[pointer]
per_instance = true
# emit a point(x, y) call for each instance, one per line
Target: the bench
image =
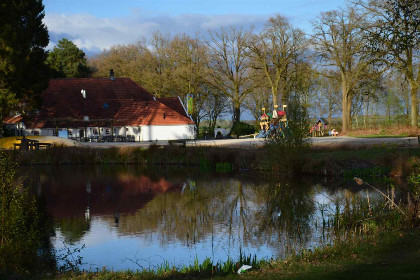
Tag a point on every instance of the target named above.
point(40, 145)
point(182, 143)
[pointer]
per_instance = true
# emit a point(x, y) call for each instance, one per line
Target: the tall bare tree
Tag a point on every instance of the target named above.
point(274, 51)
point(328, 94)
point(338, 41)
point(395, 37)
point(230, 65)
point(190, 71)
point(260, 97)
point(214, 106)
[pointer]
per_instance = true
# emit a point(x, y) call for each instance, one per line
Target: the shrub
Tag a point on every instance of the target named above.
point(24, 230)
point(241, 128)
point(287, 151)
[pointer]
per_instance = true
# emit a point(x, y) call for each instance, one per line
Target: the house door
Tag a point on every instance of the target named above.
point(81, 133)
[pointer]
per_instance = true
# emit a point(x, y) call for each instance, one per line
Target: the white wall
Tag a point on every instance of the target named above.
point(167, 132)
point(146, 133)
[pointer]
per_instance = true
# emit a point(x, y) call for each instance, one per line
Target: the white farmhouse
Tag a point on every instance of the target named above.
point(114, 107)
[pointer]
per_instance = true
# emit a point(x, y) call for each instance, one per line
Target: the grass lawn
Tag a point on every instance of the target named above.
point(8, 142)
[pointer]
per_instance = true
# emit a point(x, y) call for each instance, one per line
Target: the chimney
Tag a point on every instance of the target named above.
point(111, 75)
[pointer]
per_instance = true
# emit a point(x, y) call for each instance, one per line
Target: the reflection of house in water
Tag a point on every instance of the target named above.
point(124, 194)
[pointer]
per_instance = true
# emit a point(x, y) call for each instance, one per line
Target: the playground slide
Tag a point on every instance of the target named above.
point(261, 134)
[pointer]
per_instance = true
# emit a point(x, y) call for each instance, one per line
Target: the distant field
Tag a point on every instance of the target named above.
point(7, 142)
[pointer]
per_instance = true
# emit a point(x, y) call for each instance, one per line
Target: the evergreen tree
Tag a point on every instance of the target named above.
point(23, 37)
point(68, 61)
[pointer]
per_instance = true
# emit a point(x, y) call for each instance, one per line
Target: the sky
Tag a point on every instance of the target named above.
point(96, 25)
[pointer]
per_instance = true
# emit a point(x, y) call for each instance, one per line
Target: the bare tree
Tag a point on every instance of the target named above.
point(230, 66)
point(339, 43)
point(329, 90)
point(214, 107)
point(190, 71)
point(260, 97)
point(274, 51)
point(394, 37)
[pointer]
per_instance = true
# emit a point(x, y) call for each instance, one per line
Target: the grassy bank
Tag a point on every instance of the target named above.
point(335, 161)
point(387, 255)
point(383, 255)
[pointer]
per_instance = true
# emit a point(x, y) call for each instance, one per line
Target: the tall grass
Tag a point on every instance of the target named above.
point(197, 270)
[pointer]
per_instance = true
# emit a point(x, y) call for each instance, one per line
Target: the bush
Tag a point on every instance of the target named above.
point(288, 151)
point(241, 128)
point(24, 230)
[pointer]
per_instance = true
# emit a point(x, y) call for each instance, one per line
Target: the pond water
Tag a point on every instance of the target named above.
point(125, 217)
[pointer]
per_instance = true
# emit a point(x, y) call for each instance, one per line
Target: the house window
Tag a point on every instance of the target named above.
point(107, 131)
point(55, 132)
point(95, 131)
point(70, 133)
point(35, 132)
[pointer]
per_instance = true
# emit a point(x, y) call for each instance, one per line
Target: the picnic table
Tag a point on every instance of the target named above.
point(30, 144)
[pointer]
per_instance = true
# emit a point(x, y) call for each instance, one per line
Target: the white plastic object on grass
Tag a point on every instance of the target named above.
point(244, 268)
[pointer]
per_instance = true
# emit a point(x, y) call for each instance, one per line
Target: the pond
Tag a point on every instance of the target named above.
point(126, 217)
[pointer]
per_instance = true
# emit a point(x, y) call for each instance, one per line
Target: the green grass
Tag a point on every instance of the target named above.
point(8, 142)
point(379, 136)
point(390, 255)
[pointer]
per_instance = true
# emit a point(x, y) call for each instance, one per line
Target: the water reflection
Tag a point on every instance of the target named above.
point(132, 218)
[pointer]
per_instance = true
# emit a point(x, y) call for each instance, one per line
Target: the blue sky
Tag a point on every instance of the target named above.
point(95, 25)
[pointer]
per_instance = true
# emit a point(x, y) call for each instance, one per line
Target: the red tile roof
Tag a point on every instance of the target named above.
point(120, 101)
point(12, 119)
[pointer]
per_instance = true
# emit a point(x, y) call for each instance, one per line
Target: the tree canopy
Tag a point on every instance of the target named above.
point(23, 37)
point(344, 67)
point(68, 61)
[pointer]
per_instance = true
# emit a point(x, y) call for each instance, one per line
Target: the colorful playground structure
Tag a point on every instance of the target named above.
point(320, 128)
point(276, 124)
point(273, 124)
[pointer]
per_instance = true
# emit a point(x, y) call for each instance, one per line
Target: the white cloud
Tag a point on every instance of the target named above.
point(94, 34)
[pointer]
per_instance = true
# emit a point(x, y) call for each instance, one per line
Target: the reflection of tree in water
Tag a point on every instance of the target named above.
point(286, 215)
point(247, 214)
point(73, 229)
point(186, 215)
point(229, 212)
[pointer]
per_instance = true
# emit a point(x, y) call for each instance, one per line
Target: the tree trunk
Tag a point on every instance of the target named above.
point(196, 120)
point(413, 99)
point(236, 112)
point(275, 100)
point(329, 117)
point(345, 126)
